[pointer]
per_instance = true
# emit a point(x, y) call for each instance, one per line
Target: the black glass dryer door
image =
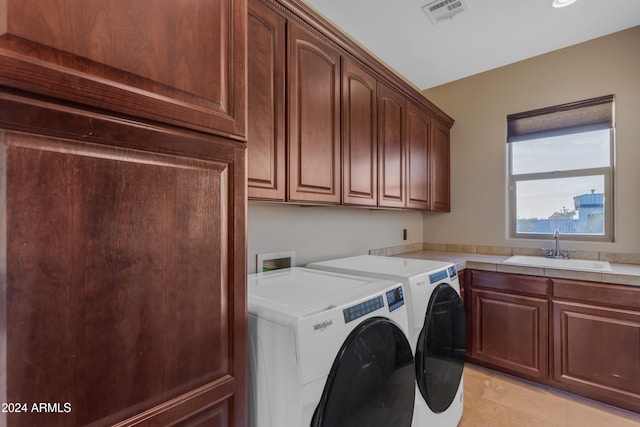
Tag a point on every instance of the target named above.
point(441, 348)
point(371, 382)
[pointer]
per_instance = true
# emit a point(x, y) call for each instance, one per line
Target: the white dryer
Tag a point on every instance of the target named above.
point(328, 350)
point(438, 329)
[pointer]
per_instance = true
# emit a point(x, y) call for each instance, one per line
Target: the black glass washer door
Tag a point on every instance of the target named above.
point(371, 382)
point(441, 348)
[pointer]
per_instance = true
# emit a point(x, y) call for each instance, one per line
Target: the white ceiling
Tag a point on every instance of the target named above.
point(492, 33)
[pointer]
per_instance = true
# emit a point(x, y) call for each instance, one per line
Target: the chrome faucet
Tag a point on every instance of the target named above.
point(556, 254)
point(556, 236)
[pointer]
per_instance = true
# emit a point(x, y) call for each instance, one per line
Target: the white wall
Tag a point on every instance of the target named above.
point(319, 233)
point(480, 104)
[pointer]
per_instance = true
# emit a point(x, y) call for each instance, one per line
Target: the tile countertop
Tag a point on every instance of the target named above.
point(623, 274)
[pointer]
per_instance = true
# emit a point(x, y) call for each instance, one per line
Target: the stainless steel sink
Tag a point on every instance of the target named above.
point(559, 263)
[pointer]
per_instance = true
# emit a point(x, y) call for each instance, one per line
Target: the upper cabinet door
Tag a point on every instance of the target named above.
point(418, 132)
point(314, 119)
point(266, 107)
point(359, 136)
point(440, 161)
point(391, 148)
point(181, 63)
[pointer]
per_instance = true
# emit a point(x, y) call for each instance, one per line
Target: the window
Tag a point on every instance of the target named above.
point(561, 171)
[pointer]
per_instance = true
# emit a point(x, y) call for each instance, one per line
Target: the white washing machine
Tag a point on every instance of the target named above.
point(328, 350)
point(438, 329)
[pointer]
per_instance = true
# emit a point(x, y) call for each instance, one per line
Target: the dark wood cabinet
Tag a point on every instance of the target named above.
point(581, 337)
point(509, 331)
point(439, 177)
point(418, 135)
point(414, 156)
point(596, 341)
point(266, 89)
point(123, 199)
point(462, 279)
point(355, 134)
point(391, 148)
point(359, 136)
point(180, 63)
point(314, 119)
point(125, 270)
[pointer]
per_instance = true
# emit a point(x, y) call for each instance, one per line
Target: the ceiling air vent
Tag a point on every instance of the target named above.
point(443, 9)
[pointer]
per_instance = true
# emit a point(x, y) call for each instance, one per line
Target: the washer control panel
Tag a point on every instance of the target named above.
point(354, 312)
point(395, 300)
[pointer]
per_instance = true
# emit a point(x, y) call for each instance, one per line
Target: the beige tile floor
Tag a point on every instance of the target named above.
point(496, 400)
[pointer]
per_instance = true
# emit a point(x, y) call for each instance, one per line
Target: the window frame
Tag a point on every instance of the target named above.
point(609, 196)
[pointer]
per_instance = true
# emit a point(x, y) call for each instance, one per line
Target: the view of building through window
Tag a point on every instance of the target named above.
point(586, 217)
point(560, 183)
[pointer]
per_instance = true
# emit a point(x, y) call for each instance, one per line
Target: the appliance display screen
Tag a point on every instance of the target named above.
point(453, 272)
point(395, 298)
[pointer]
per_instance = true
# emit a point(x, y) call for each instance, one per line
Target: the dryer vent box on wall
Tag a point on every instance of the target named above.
point(275, 261)
point(444, 9)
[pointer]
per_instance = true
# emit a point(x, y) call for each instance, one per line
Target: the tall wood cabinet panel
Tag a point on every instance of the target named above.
point(418, 134)
point(391, 148)
point(266, 107)
point(314, 119)
point(439, 180)
point(359, 136)
point(174, 62)
point(123, 270)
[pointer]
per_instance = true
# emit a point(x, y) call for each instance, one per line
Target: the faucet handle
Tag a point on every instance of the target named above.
point(565, 253)
point(549, 251)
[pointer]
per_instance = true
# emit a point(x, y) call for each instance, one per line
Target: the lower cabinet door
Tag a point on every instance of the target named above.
point(611, 339)
point(510, 332)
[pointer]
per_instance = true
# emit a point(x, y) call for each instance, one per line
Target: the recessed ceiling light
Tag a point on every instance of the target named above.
point(562, 3)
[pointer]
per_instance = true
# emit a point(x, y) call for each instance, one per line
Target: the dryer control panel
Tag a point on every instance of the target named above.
point(449, 272)
point(438, 277)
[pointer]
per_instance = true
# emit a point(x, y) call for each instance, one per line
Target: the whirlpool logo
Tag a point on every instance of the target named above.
point(322, 326)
